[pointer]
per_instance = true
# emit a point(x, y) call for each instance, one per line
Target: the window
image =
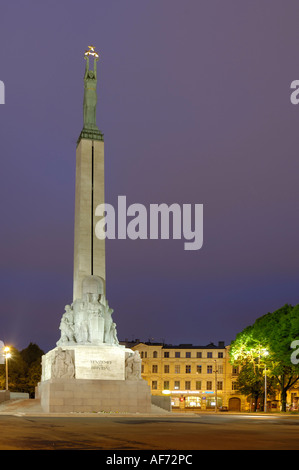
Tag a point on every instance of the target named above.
point(219, 385)
point(209, 369)
point(142, 369)
point(234, 386)
point(177, 354)
point(220, 369)
point(188, 354)
point(187, 385)
point(199, 354)
point(198, 369)
point(166, 369)
point(155, 369)
point(177, 369)
point(198, 384)
point(166, 353)
point(155, 354)
point(166, 385)
point(235, 370)
point(209, 385)
point(220, 354)
point(177, 385)
point(141, 354)
point(210, 355)
point(188, 369)
point(154, 385)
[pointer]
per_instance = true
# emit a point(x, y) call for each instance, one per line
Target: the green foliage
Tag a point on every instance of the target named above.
point(273, 334)
point(24, 370)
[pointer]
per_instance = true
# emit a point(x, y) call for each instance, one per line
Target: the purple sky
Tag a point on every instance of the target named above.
point(194, 103)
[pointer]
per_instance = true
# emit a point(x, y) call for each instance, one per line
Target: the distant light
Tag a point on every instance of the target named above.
point(166, 392)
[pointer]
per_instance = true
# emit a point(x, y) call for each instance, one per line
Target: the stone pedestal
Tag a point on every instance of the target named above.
point(90, 362)
point(92, 396)
point(91, 378)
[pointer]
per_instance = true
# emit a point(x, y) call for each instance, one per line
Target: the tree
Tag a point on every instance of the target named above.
point(16, 372)
point(24, 370)
point(272, 333)
point(32, 354)
point(251, 382)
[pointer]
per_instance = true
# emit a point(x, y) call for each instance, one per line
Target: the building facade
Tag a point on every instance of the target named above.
point(195, 377)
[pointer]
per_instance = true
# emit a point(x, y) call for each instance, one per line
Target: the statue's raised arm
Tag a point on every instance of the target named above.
point(86, 57)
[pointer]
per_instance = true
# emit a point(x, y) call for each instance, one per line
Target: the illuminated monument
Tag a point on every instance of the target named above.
point(88, 370)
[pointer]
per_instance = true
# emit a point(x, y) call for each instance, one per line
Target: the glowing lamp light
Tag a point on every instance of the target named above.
point(166, 392)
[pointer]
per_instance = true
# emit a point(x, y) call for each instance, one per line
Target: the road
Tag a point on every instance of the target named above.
point(222, 431)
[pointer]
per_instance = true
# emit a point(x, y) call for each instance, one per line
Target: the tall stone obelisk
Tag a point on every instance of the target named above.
point(89, 370)
point(89, 251)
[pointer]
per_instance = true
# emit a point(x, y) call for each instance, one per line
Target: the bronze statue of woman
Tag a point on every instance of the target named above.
point(90, 95)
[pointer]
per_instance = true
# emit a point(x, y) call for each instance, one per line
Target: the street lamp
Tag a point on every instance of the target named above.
point(265, 353)
point(265, 406)
point(7, 355)
point(215, 386)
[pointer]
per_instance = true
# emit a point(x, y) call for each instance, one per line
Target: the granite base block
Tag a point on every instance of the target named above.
point(92, 396)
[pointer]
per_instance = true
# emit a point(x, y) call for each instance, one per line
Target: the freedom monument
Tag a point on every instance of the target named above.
point(88, 370)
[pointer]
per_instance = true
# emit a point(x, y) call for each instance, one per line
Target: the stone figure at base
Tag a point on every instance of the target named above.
point(63, 365)
point(88, 321)
point(67, 325)
point(133, 367)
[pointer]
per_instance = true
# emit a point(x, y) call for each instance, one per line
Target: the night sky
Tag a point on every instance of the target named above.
point(194, 103)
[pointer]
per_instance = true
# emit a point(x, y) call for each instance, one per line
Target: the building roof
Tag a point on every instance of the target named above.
point(221, 345)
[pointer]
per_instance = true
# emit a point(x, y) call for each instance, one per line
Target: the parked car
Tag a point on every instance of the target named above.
point(223, 408)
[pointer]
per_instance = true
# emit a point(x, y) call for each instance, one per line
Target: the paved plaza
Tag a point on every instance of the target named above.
point(25, 427)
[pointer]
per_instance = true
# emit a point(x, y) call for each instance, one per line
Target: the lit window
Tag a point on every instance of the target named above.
point(187, 385)
point(234, 386)
point(154, 385)
point(209, 385)
point(198, 384)
point(177, 385)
